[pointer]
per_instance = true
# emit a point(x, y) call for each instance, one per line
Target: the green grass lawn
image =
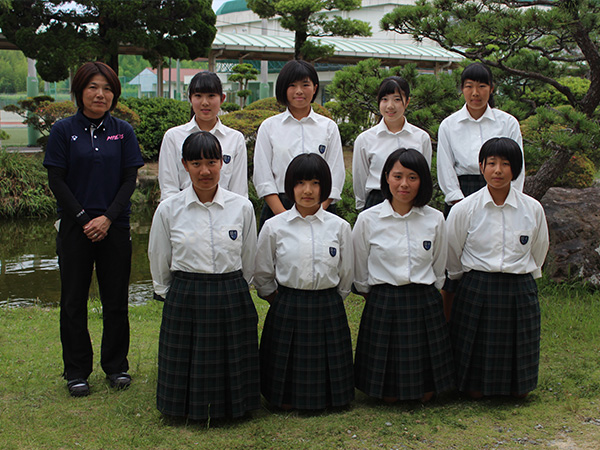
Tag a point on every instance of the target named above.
point(18, 137)
point(36, 411)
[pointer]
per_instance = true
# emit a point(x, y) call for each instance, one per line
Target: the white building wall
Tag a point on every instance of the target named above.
point(247, 22)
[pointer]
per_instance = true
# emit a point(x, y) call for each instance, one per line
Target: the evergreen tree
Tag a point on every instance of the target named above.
point(533, 43)
point(305, 18)
point(62, 34)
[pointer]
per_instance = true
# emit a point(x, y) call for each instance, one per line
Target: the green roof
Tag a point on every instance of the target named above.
point(233, 6)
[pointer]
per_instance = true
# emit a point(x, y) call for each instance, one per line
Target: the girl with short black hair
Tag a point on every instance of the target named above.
point(403, 350)
point(304, 270)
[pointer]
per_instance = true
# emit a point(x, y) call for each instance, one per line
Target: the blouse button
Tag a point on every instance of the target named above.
point(96, 148)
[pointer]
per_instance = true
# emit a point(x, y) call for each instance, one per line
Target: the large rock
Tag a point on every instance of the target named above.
point(574, 222)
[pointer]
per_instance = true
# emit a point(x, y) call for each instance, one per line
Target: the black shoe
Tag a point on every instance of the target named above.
point(78, 387)
point(120, 380)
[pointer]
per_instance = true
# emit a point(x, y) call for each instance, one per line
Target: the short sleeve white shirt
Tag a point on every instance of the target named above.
point(311, 253)
point(371, 150)
point(172, 176)
point(399, 250)
point(190, 236)
point(511, 238)
point(460, 137)
point(282, 137)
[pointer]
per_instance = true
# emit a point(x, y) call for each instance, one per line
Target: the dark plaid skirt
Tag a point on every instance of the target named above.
point(208, 364)
point(306, 350)
point(403, 347)
point(469, 184)
point(495, 331)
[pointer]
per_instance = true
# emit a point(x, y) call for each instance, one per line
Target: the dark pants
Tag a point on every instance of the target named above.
point(77, 256)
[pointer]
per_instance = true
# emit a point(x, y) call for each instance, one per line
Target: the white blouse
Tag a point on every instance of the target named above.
point(512, 238)
point(172, 176)
point(282, 137)
point(371, 150)
point(190, 236)
point(399, 250)
point(311, 253)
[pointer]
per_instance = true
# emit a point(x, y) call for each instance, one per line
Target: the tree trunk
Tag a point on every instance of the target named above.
point(538, 184)
point(300, 39)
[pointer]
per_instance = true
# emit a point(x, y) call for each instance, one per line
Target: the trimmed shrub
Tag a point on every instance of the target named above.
point(157, 115)
point(578, 174)
point(230, 106)
point(271, 104)
point(24, 190)
point(247, 122)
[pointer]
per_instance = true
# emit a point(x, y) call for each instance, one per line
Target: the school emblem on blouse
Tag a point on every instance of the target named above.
point(332, 251)
point(322, 149)
point(226, 159)
point(74, 137)
point(233, 234)
point(524, 239)
point(426, 245)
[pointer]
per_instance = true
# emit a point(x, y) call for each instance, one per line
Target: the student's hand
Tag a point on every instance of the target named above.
point(271, 297)
point(448, 298)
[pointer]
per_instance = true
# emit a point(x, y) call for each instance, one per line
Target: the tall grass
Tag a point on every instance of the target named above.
point(36, 411)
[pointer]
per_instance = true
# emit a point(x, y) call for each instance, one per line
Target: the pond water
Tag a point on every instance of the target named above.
point(29, 271)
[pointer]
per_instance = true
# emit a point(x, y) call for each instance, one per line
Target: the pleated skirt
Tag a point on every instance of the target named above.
point(208, 363)
point(306, 350)
point(495, 332)
point(403, 347)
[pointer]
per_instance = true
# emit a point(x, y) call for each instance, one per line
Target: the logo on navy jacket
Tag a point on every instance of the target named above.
point(226, 159)
point(233, 234)
point(426, 245)
point(322, 149)
point(524, 239)
point(332, 251)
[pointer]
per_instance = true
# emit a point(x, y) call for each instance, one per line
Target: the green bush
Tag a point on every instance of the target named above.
point(157, 115)
point(271, 104)
point(24, 190)
point(579, 173)
point(346, 207)
point(247, 122)
point(230, 106)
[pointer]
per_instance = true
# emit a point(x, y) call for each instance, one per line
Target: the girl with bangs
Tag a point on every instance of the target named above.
point(304, 271)
point(297, 130)
point(372, 147)
point(462, 134)
point(201, 248)
point(206, 96)
point(498, 240)
point(403, 350)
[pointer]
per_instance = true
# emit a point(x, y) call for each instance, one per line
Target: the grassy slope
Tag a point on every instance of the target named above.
point(37, 412)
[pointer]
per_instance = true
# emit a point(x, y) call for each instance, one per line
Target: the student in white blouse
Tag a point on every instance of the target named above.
point(201, 249)
point(403, 350)
point(462, 134)
point(372, 147)
point(206, 97)
point(498, 239)
point(297, 130)
point(304, 270)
